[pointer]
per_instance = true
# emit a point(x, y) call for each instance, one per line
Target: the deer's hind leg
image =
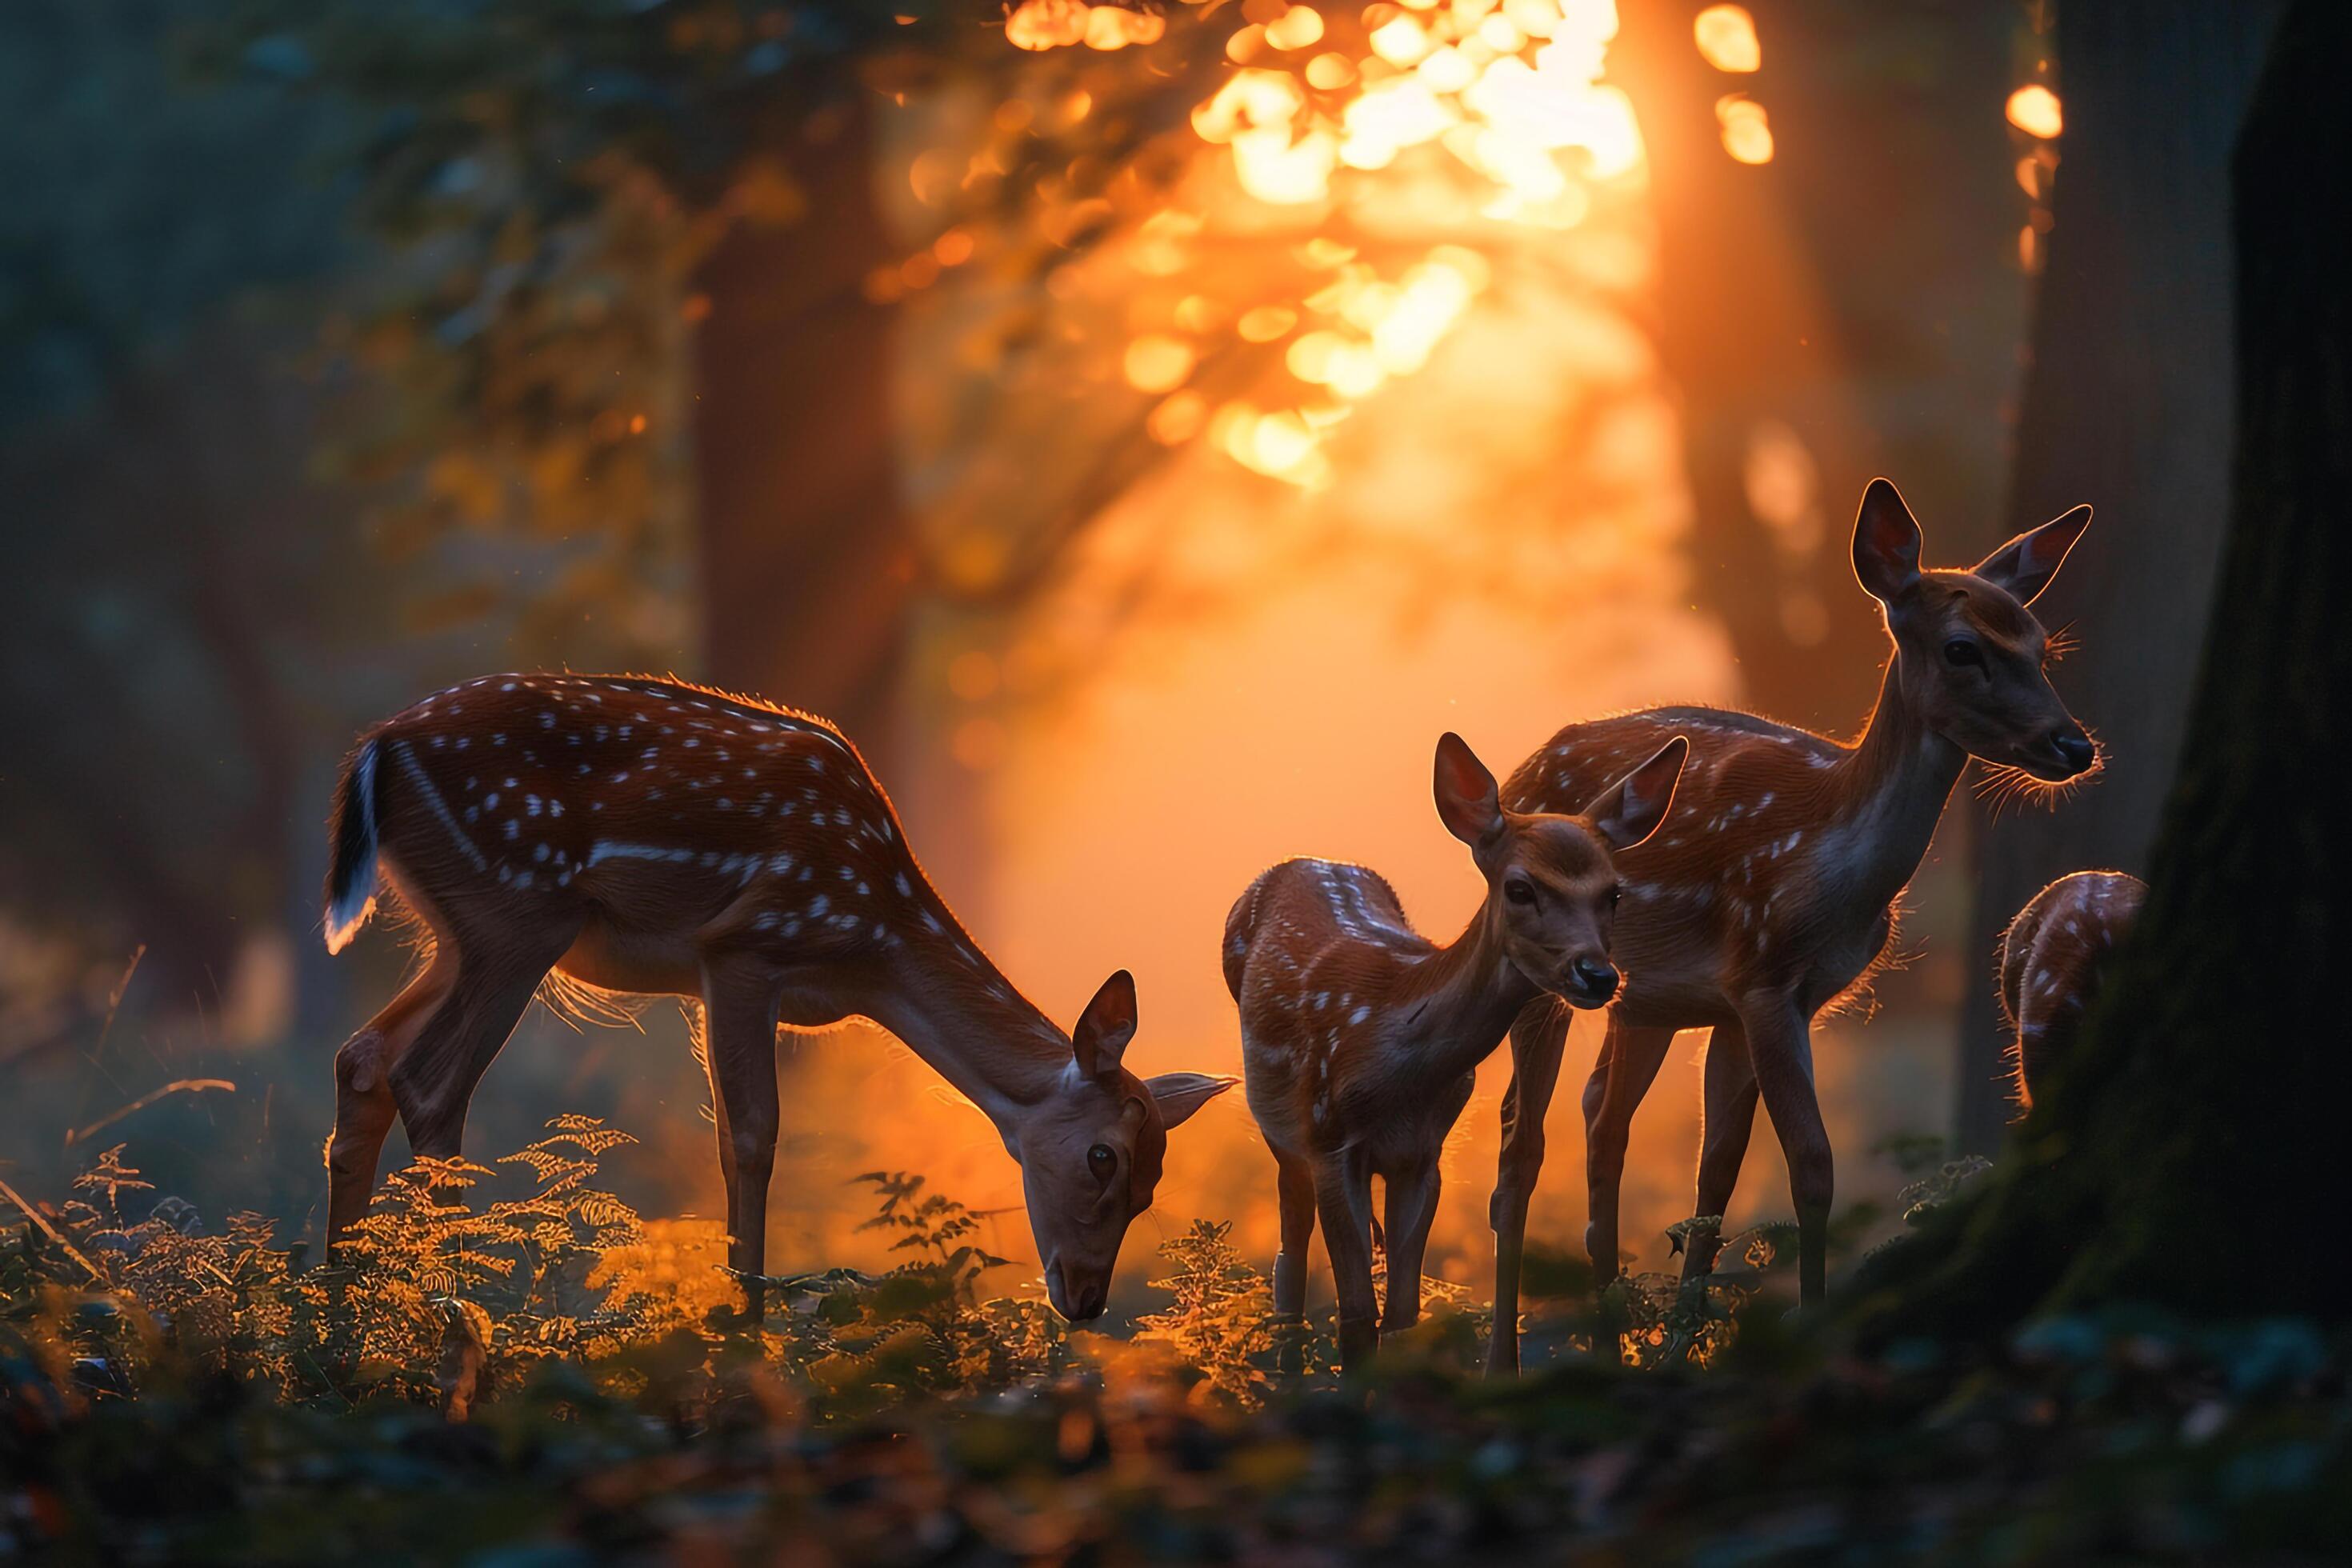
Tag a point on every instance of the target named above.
point(1411, 1206)
point(1628, 1065)
point(1729, 1119)
point(1343, 1200)
point(497, 971)
point(363, 1103)
point(1294, 1188)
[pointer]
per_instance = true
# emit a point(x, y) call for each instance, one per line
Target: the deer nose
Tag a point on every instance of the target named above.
point(2074, 748)
point(1087, 1302)
point(1593, 981)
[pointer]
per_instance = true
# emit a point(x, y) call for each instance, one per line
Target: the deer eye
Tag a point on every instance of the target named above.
point(1616, 893)
point(1519, 890)
point(1101, 1162)
point(1962, 653)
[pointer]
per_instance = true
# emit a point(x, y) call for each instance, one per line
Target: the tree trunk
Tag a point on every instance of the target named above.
point(2126, 407)
point(808, 557)
point(2180, 1159)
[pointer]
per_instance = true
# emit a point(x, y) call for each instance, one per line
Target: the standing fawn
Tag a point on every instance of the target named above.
point(2053, 958)
point(1773, 892)
point(1359, 1036)
point(652, 835)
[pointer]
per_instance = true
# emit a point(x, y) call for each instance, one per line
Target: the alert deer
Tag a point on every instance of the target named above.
point(2054, 959)
point(1772, 890)
point(654, 836)
point(1359, 1036)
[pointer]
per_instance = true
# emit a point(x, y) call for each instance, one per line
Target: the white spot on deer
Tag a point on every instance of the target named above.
point(1360, 1014)
point(540, 852)
point(514, 827)
point(491, 802)
point(509, 686)
point(819, 904)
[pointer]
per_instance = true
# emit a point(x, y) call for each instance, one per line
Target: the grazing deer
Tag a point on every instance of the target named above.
point(1771, 891)
point(652, 835)
point(1359, 1036)
point(2053, 958)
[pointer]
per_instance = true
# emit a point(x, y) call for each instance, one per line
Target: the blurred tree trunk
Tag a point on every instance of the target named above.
point(2126, 407)
point(2176, 1160)
point(1816, 296)
point(808, 557)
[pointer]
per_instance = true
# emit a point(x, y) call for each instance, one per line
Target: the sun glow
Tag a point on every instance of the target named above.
point(1442, 116)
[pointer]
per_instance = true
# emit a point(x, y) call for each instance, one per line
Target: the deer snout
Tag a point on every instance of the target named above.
point(1591, 982)
point(2073, 749)
point(1080, 1300)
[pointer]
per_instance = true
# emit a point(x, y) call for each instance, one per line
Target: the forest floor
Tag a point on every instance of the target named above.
point(546, 1377)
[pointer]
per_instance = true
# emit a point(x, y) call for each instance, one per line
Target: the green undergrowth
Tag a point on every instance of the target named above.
point(514, 1365)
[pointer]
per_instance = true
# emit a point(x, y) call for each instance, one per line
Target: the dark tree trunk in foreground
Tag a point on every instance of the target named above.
point(2126, 406)
point(2184, 1157)
point(808, 559)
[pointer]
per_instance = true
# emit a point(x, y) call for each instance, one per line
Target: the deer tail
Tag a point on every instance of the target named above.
point(351, 876)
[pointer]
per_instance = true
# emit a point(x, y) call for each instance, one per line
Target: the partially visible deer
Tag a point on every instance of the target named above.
point(1359, 1036)
point(652, 835)
point(2053, 959)
point(1771, 891)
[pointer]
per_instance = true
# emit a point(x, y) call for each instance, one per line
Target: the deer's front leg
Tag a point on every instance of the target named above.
point(1538, 1038)
point(1343, 1199)
point(1730, 1116)
point(740, 999)
point(1781, 1047)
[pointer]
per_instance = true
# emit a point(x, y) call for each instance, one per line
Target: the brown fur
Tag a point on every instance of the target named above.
point(2054, 959)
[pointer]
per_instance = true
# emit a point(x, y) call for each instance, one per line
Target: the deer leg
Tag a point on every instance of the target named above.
point(1780, 1044)
point(720, 1124)
point(1628, 1065)
point(1730, 1116)
point(1343, 1202)
point(1295, 1189)
point(1538, 1038)
point(740, 1002)
point(364, 1105)
point(1411, 1204)
point(434, 1081)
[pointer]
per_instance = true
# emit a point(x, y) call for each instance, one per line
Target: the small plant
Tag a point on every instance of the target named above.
point(1221, 1321)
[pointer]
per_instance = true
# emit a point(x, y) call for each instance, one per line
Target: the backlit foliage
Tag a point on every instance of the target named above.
point(464, 1280)
point(1373, 168)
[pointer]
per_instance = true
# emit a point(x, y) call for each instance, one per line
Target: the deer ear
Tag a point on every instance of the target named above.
point(1631, 809)
point(1180, 1094)
point(1885, 542)
point(1105, 1028)
point(1466, 799)
point(2026, 563)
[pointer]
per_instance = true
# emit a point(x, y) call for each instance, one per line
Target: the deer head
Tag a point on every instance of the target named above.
point(1551, 879)
point(1091, 1150)
point(1974, 660)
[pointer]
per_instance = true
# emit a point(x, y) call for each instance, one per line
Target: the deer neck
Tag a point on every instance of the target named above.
point(1449, 1010)
point(1892, 787)
point(951, 1005)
